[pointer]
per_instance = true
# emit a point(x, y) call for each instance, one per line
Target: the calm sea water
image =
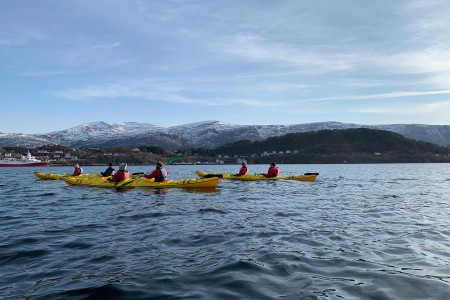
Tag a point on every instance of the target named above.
point(359, 232)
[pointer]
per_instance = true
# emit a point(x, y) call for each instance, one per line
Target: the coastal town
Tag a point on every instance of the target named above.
point(60, 155)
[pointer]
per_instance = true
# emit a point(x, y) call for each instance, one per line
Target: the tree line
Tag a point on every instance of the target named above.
point(358, 145)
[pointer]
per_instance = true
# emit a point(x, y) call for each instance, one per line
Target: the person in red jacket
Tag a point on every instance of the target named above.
point(120, 175)
point(243, 169)
point(273, 170)
point(77, 170)
point(160, 174)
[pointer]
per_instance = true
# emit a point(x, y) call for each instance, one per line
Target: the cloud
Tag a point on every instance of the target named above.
point(413, 109)
point(106, 45)
point(89, 92)
point(427, 61)
point(443, 106)
point(379, 96)
point(172, 91)
point(43, 73)
point(257, 49)
point(282, 86)
point(396, 95)
point(146, 89)
point(19, 37)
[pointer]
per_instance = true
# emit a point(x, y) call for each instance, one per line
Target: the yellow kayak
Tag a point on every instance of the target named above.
point(60, 176)
point(252, 177)
point(98, 182)
point(49, 176)
point(142, 182)
point(183, 183)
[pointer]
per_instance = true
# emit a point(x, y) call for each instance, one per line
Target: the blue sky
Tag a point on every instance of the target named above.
point(172, 62)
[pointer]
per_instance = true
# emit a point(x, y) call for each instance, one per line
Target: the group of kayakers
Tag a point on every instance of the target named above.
point(272, 172)
point(160, 174)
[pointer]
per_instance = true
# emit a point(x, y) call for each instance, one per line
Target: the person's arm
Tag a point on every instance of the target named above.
point(271, 173)
point(151, 175)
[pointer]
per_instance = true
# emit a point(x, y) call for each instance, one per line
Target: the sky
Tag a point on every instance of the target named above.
point(245, 62)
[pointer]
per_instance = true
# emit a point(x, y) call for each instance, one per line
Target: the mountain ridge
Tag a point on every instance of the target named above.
point(204, 134)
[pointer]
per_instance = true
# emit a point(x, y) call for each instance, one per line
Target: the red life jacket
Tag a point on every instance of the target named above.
point(242, 171)
point(77, 172)
point(120, 175)
point(273, 172)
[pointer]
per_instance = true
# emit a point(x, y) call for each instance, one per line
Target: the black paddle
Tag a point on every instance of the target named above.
point(213, 175)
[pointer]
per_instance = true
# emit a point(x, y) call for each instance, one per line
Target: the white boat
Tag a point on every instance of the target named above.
point(26, 161)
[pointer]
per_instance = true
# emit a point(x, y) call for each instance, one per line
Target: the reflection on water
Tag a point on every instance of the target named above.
point(189, 190)
point(203, 190)
point(359, 232)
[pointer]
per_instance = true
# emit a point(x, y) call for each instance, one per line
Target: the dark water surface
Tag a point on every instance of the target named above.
point(359, 232)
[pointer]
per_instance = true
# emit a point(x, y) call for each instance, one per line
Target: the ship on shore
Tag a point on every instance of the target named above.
point(26, 161)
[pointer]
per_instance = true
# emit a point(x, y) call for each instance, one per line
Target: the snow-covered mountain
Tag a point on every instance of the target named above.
point(207, 134)
point(99, 131)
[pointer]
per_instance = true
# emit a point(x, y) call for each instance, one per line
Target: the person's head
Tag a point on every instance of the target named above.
point(244, 164)
point(123, 166)
point(76, 166)
point(110, 164)
point(159, 164)
point(272, 164)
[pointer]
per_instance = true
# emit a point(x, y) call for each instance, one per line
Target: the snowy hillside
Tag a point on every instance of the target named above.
point(207, 134)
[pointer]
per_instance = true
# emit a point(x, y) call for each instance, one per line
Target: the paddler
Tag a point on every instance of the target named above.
point(243, 169)
point(77, 170)
point(160, 174)
point(273, 170)
point(120, 175)
point(109, 171)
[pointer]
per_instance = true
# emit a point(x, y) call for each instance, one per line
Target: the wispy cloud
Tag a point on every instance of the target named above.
point(257, 49)
point(155, 90)
point(397, 109)
point(106, 45)
point(108, 90)
point(379, 96)
point(396, 95)
point(19, 37)
point(43, 73)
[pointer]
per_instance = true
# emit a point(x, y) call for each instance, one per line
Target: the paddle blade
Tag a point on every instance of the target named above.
point(175, 158)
